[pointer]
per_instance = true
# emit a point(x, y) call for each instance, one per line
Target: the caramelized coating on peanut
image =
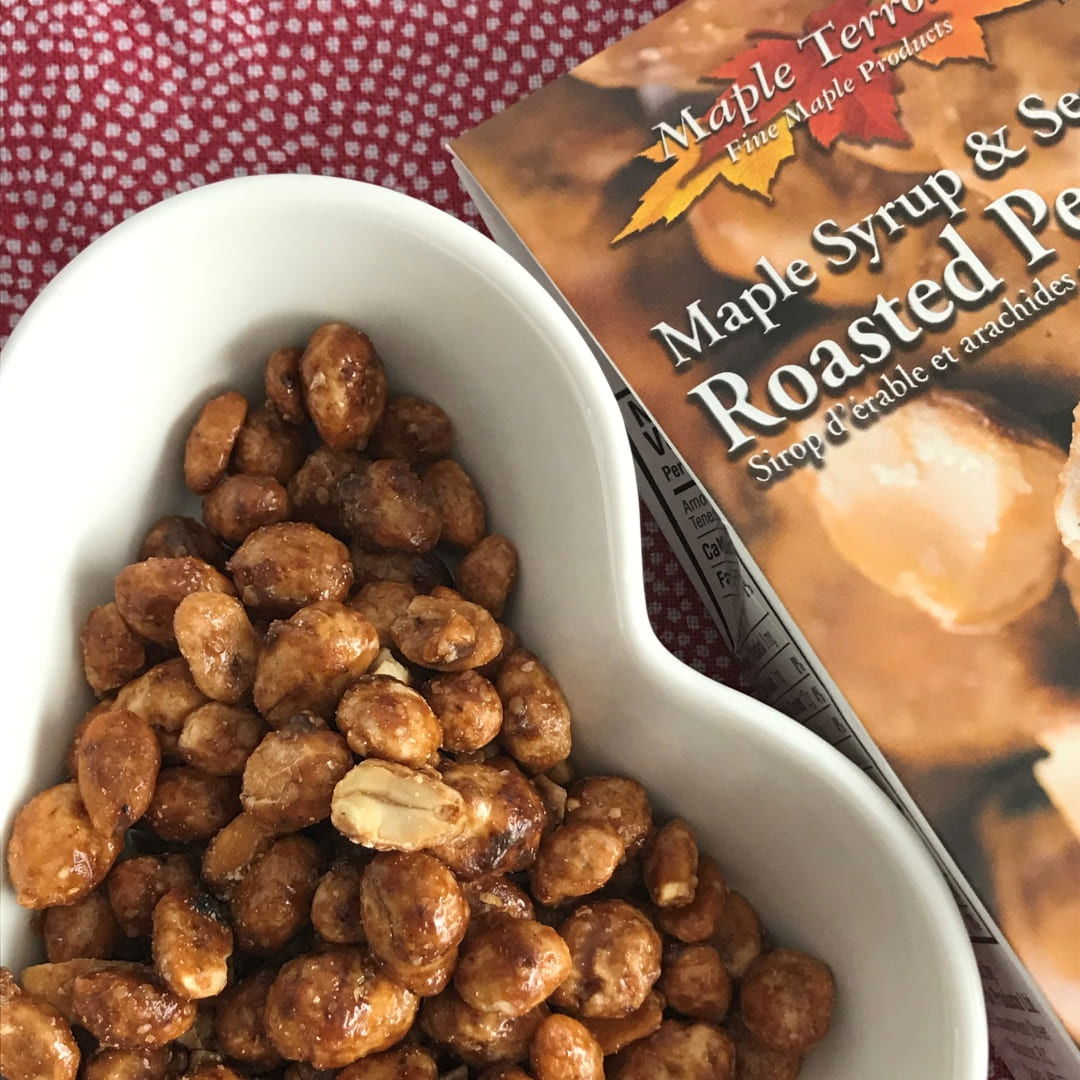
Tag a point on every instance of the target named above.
point(281, 384)
point(344, 385)
point(401, 1063)
point(173, 537)
point(219, 738)
point(536, 718)
point(189, 804)
point(71, 760)
point(291, 775)
point(615, 952)
point(423, 572)
point(116, 1064)
point(54, 983)
point(112, 652)
point(488, 572)
point(497, 893)
point(738, 935)
point(698, 920)
point(381, 717)
point(335, 909)
point(35, 1040)
point(164, 697)
point(384, 506)
point(414, 913)
point(211, 440)
point(670, 865)
point(129, 1008)
point(87, 928)
point(413, 430)
point(232, 850)
point(136, 885)
point(468, 707)
point(55, 855)
point(273, 898)
point(241, 504)
point(695, 983)
point(281, 568)
point(313, 489)
point(679, 1051)
point(117, 767)
point(786, 999)
point(239, 1024)
point(460, 508)
point(192, 943)
point(615, 1033)
point(564, 1049)
point(382, 603)
point(510, 965)
point(267, 446)
point(576, 859)
point(334, 1007)
point(309, 660)
point(446, 634)
point(504, 821)
point(756, 1062)
point(148, 592)
point(479, 1039)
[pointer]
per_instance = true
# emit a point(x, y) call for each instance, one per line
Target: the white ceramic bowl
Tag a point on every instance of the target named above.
point(99, 385)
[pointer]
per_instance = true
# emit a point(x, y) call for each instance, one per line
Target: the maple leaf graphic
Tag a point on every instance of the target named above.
point(966, 42)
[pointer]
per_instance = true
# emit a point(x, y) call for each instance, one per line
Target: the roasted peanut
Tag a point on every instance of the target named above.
point(413, 430)
point(189, 804)
point(447, 635)
point(281, 384)
point(164, 697)
point(112, 652)
point(115, 1064)
point(129, 1008)
point(503, 816)
point(615, 954)
point(344, 385)
point(232, 850)
point(461, 510)
point(54, 983)
point(71, 760)
point(290, 777)
point(87, 928)
point(239, 1024)
point(335, 908)
point(576, 859)
point(695, 983)
point(211, 440)
point(381, 717)
point(313, 489)
point(334, 1007)
point(391, 807)
point(670, 865)
point(423, 572)
point(382, 603)
point(55, 855)
point(495, 893)
point(564, 1049)
point(136, 885)
point(281, 568)
point(698, 920)
point(272, 900)
point(35, 1040)
point(174, 537)
point(192, 943)
point(309, 660)
point(468, 707)
point(384, 506)
point(753, 1061)
point(488, 572)
point(401, 1063)
point(148, 592)
point(679, 1052)
point(478, 1039)
point(510, 965)
point(615, 1033)
point(738, 935)
point(786, 1000)
point(241, 504)
point(267, 446)
point(536, 718)
point(117, 767)
point(219, 738)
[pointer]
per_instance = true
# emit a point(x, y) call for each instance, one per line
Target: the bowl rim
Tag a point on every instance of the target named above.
point(780, 734)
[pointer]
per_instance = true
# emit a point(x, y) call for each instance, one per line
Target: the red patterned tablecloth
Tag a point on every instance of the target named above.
point(112, 105)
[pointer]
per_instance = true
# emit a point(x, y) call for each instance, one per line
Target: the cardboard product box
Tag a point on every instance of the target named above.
point(828, 258)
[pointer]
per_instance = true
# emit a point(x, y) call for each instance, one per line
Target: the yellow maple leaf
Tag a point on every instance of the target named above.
point(966, 42)
point(685, 180)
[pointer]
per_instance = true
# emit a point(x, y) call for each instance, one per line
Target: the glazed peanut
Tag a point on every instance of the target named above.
point(536, 718)
point(173, 537)
point(497, 893)
point(698, 920)
point(488, 572)
point(313, 489)
point(219, 738)
point(384, 507)
point(695, 983)
point(335, 908)
point(291, 775)
point(738, 935)
point(192, 943)
point(134, 887)
point(670, 865)
point(55, 855)
point(344, 386)
point(211, 440)
point(454, 496)
point(308, 661)
point(331, 1008)
point(241, 504)
point(615, 1033)
point(468, 708)
point(564, 1049)
point(164, 697)
point(189, 804)
point(147, 593)
point(35, 1040)
point(115, 1064)
point(786, 999)
point(576, 859)
point(281, 568)
point(54, 983)
point(117, 766)
point(239, 1025)
point(756, 1062)
point(413, 430)
point(381, 717)
point(680, 1052)
point(232, 850)
point(112, 652)
point(129, 1008)
point(267, 446)
point(423, 572)
point(479, 1039)
point(446, 634)
point(510, 965)
point(382, 603)
point(87, 928)
point(281, 383)
point(401, 1063)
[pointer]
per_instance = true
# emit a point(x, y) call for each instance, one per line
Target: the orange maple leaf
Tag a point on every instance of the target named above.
point(967, 41)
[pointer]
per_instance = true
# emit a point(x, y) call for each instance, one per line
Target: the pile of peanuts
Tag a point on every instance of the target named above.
point(322, 816)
